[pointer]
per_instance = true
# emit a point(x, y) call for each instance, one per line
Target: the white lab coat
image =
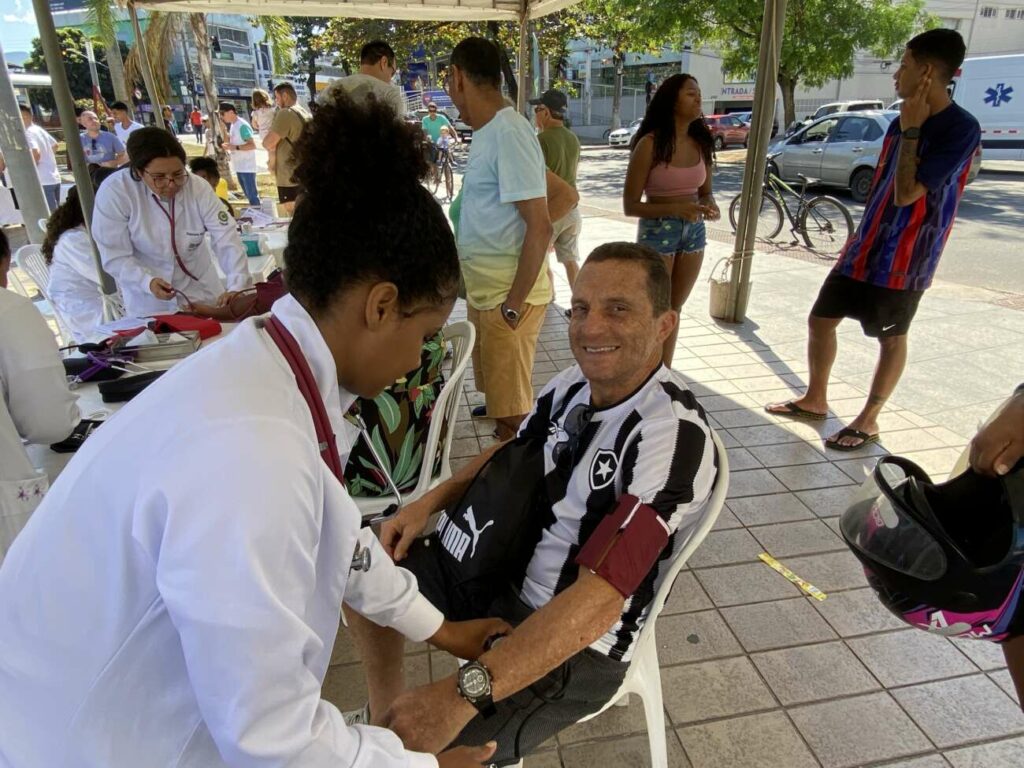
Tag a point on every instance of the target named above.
point(74, 286)
point(134, 238)
point(175, 599)
point(36, 406)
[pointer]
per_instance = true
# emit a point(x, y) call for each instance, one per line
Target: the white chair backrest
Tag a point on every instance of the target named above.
point(113, 305)
point(41, 223)
point(461, 336)
point(30, 258)
point(707, 522)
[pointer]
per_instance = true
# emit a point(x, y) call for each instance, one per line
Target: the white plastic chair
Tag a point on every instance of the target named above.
point(644, 675)
point(30, 258)
point(461, 336)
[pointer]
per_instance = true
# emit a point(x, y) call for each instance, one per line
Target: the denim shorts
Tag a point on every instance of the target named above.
point(670, 235)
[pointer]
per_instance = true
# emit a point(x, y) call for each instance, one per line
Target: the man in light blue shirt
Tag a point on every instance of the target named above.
point(100, 147)
point(503, 235)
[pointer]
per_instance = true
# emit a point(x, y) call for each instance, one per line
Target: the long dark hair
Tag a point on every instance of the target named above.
point(67, 216)
point(661, 121)
point(348, 229)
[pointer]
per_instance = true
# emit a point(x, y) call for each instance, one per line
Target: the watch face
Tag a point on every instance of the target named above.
point(474, 682)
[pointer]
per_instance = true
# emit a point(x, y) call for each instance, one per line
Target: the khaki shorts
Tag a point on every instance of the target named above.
point(503, 359)
point(566, 237)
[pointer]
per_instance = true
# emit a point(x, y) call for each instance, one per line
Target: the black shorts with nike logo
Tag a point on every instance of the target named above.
point(882, 312)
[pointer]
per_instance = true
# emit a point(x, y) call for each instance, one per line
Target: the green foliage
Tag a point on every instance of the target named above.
point(72, 47)
point(279, 34)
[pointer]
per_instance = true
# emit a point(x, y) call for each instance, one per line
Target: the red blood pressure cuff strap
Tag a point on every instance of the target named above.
point(625, 545)
point(180, 322)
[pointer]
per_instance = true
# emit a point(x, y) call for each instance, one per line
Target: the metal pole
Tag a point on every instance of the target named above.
point(94, 75)
point(147, 71)
point(523, 67)
point(66, 110)
point(20, 164)
point(753, 172)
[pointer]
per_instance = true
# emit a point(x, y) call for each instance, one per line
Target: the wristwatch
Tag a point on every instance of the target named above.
point(475, 687)
point(510, 314)
point(912, 133)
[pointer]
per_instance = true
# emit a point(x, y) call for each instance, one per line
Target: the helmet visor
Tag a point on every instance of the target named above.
point(878, 525)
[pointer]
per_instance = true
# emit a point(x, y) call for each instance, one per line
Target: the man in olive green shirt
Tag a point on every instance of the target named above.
point(288, 124)
point(561, 155)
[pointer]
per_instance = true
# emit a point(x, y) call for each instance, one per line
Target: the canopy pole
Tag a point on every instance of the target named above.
point(772, 27)
point(147, 70)
point(20, 166)
point(523, 53)
point(68, 122)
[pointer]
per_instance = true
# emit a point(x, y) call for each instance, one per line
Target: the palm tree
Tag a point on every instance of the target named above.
point(102, 18)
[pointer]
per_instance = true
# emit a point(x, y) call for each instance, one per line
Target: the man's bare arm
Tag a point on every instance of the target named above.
point(907, 190)
point(534, 251)
point(271, 141)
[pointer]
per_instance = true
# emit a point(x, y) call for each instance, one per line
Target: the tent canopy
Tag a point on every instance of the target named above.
point(408, 10)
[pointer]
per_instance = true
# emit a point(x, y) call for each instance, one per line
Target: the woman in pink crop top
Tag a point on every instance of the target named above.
point(668, 185)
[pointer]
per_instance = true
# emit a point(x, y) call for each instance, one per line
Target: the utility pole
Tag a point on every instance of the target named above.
point(93, 75)
point(21, 167)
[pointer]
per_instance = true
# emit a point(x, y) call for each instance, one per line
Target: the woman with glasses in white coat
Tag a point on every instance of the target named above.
point(174, 600)
point(150, 223)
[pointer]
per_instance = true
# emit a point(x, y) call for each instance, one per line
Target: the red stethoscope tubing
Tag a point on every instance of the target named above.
point(289, 347)
point(174, 241)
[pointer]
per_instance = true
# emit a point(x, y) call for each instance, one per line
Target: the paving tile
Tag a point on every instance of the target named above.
point(829, 572)
point(740, 459)
point(686, 595)
point(769, 508)
point(631, 752)
point(858, 731)
point(744, 418)
point(999, 754)
point(697, 692)
point(753, 482)
point(961, 710)
point(345, 684)
point(828, 502)
point(465, 448)
point(727, 439)
point(857, 469)
point(687, 637)
point(856, 612)
point(777, 624)
point(809, 476)
point(725, 521)
point(747, 583)
point(929, 761)
point(907, 440)
point(801, 538)
point(787, 454)
point(911, 656)
point(724, 547)
point(1003, 680)
point(987, 656)
point(715, 403)
point(767, 740)
point(769, 434)
point(813, 672)
point(938, 463)
point(614, 721)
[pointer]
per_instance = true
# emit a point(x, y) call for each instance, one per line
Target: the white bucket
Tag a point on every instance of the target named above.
point(718, 292)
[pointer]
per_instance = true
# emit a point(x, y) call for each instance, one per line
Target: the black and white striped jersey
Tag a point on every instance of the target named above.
point(655, 445)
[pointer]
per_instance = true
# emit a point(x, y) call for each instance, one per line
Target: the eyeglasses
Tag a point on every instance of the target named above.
point(573, 425)
point(162, 179)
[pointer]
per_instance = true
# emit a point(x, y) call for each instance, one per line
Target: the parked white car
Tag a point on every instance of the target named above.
point(621, 137)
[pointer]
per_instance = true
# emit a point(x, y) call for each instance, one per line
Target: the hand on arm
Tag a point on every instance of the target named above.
point(271, 141)
point(640, 162)
point(706, 199)
point(999, 445)
point(429, 717)
point(562, 198)
point(913, 112)
point(534, 251)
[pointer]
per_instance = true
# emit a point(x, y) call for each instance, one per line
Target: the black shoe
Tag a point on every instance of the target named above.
point(480, 412)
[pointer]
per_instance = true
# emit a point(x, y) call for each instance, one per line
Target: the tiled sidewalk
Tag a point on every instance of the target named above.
point(754, 673)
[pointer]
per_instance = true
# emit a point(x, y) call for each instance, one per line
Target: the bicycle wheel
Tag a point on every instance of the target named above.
point(449, 181)
point(434, 178)
point(769, 220)
point(825, 225)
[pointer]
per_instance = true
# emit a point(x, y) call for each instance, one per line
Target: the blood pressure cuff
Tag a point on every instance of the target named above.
point(625, 545)
point(181, 322)
point(488, 537)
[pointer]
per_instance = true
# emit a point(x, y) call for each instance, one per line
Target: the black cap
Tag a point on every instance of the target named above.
point(554, 100)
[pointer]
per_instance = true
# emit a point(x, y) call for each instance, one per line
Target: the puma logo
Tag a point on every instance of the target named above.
point(471, 521)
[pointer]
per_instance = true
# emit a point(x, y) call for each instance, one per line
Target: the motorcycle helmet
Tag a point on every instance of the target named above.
point(945, 557)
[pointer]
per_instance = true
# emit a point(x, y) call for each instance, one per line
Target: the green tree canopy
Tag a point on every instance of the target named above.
point(72, 47)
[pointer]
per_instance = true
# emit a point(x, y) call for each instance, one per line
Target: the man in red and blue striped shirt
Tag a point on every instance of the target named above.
point(891, 259)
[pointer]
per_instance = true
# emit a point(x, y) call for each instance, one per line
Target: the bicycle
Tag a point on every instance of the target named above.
point(442, 167)
point(822, 221)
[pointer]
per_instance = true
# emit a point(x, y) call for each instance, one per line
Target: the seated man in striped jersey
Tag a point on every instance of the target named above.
point(567, 530)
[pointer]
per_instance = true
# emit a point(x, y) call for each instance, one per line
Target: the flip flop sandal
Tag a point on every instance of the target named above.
point(864, 437)
point(795, 411)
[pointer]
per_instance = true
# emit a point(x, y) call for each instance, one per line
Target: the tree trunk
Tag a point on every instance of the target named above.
point(201, 38)
point(506, 65)
point(788, 86)
point(311, 77)
point(619, 59)
point(116, 66)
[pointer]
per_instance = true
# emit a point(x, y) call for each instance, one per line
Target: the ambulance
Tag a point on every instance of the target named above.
point(992, 89)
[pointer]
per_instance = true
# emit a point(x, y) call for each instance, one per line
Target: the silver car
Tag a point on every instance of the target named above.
point(621, 137)
point(839, 150)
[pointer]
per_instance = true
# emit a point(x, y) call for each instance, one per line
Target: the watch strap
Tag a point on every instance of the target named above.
point(911, 133)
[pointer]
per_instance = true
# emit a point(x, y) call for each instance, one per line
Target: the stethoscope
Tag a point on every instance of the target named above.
point(289, 347)
point(169, 215)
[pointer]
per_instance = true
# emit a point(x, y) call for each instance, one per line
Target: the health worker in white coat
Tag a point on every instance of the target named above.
point(36, 406)
point(175, 598)
point(150, 223)
point(74, 287)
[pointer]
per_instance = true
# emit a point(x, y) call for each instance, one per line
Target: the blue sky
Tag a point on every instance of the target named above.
point(17, 25)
